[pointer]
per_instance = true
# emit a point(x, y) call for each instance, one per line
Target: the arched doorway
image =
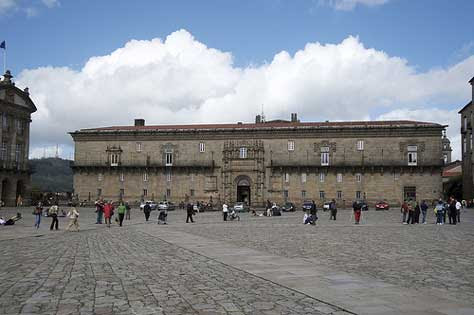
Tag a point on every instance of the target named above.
point(4, 191)
point(243, 189)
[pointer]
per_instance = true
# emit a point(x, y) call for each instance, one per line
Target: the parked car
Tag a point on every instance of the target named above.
point(307, 205)
point(276, 211)
point(381, 205)
point(240, 207)
point(288, 207)
point(166, 205)
point(326, 206)
point(153, 205)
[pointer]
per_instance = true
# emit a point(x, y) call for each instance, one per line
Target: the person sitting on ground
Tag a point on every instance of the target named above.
point(254, 213)
point(2, 221)
point(13, 219)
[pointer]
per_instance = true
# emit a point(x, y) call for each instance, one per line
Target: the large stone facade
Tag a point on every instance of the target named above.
point(16, 108)
point(278, 160)
point(467, 124)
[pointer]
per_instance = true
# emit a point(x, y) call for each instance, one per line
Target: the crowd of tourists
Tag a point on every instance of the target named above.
point(451, 208)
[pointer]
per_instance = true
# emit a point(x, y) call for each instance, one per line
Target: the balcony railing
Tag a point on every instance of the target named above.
point(142, 164)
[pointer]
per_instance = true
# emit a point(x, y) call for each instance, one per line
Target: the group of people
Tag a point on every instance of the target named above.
point(411, 211)
point(105, 210)
point(54, 212)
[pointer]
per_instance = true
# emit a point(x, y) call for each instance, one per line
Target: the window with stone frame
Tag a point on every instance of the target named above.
point(322, 194)
point(145, 177)
point(4, 121)
point(243, 153)
point(464, 145)
point(145, 192)
point(303, 194)
point(339, 194)
point(18, 151)
point(291, 145)
point(121, 177)
point(358, 195)
point(360, 145)
point(114, 159)
point(168, 157)
point(168, 175)
point(412, 155)
point(470, 142)
point(339, 177)
point(168, 193)
point(287, 177)
point(99, 192)
point(322, 177)
point(285, 194)
point(202, 147)
point(358, 177)
point(191, 193)
point(19, 126)
point(138, 147)
point(100, 177)
point(324, 156)
point(4, 151)
point(303, 177)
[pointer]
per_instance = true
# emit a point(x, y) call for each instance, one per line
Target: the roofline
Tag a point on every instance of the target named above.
point(465, 106)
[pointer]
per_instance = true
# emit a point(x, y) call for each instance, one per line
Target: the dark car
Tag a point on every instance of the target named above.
point(381, 205)
point(307, 205)
point(276, 211)
point(288, 207)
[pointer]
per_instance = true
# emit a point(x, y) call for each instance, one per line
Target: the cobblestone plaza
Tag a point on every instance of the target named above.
point(260, 265)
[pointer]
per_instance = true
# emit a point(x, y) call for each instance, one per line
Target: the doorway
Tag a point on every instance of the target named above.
point(243, 191)
point(409, 193)
point(4, 191)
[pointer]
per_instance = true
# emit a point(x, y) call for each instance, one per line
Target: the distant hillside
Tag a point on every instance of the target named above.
point(51, 175)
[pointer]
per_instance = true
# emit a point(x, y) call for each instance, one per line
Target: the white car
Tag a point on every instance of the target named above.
point(152, 204)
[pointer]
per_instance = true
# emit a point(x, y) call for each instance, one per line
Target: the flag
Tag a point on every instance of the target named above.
point(3, 45)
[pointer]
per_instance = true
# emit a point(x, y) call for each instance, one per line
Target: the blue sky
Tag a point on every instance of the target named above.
point(420, 40)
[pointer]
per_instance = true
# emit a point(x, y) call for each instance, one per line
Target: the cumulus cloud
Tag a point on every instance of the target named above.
point(348, 5)
point(181, 80)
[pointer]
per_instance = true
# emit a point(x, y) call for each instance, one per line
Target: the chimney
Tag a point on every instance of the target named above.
point(139, 122)
point(258, 119)
point(294, 117)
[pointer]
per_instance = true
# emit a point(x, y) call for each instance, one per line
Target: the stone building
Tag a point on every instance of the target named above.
point(16, 108)
point(252, 162)
point(467, 123)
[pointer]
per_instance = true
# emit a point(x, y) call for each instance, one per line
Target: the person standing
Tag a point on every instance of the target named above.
point(53, 213)
point(38, 212)
point(458, 210)
point(314, 212)
point(127, 212)
point(225, 211)
point(108, 213)
point(357, 207)
point(99, 209)
point(190, 212)
point(121, 212)
point(417, 213)
point(411, 212)
point(404, 211)
point(73, 216)
point(333, 209)
point(424, 210)
point(439, 210)
point(147, 210)
point(452, 211)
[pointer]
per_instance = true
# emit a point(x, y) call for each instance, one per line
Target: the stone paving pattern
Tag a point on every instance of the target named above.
point(127, 271)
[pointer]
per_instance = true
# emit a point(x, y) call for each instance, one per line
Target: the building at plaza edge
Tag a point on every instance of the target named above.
point(275, 160)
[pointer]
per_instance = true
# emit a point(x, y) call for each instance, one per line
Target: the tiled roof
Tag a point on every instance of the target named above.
point(269, 125)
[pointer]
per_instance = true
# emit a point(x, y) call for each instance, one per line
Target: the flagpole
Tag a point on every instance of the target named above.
point(5, 60)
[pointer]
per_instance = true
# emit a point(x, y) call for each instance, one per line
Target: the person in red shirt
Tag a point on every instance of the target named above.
point(108, 212)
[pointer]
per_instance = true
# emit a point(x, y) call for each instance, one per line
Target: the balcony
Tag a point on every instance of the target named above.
point(92, 163)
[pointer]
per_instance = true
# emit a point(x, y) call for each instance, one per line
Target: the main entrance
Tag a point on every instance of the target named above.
point(243, 190)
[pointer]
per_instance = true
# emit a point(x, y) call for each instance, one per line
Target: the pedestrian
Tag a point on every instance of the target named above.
point(314, 212)
point(127, 212)
point(458, 210)
point(424, 210)
point(121, 209)
point(452, 211)
point(147, 210)
point(417, 213)
point(99, 209)
point(225, 211)
point(269, 207)
point(404, 211)
point(411, 212)
point(38, 211)
point(73, 216)
point(190, 212)
point(333, 209)
point(439, 211)
point(108, 212)
point(357, 208)
point(53, 213)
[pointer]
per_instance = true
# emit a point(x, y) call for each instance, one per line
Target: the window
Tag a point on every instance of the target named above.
point(322, 177)
point(145, 177)
point(145, 192)
point(339, 177)
point(4, 151)
point(339, 194)
point(321, 194)
point(303, 194)
point(287, 177)
point(99, 192)
point(412, 154)
point(358, 177)
point(470, 142)
point(192, 177)
point(464, 145)
point(191, 193)
point(396, 176)
point(285, 194)
point(445, 158)
point(360, 145)
point(324, 156)
point(114, 159)
point(243, 153)
point(121, 177)
point(4, 121)
point(18, 153)
point(169, 157)
point(168, 193)
point(100, 177)
point(19, 126)
point(465, 123)
point(168, 176)
point(303, 177)
point(291, 145)
point(122, 193)
point(358, 195)
point(202, 147)
point(138, 146)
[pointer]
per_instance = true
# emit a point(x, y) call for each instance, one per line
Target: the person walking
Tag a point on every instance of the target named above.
point(416, 213)
point(333, 209)
point(357, 208)
point(99, 209)
point(38, 211)
point(452, 211)
point(458, 210)
point(53, 213)
point(146, 211)
point(73, 216)
point(190, 212)
point(225, 211)
point(424, 210)
point(127, 211)
point(404, 211)
point(314, 212)
point(439, 210)
point(121, 212)
point(108, 213)
point(411, 212)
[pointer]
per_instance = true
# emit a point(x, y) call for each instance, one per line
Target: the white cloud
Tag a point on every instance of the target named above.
point(29, 8)
point(348, 5)
point(180, 80)
point(51, 3)
point(6, 5)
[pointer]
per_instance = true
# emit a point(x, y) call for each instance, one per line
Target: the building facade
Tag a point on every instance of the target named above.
point(254, 162)
point(467, 123)
point(16, 108)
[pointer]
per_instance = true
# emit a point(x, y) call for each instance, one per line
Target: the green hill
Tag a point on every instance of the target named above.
point(51, 175)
